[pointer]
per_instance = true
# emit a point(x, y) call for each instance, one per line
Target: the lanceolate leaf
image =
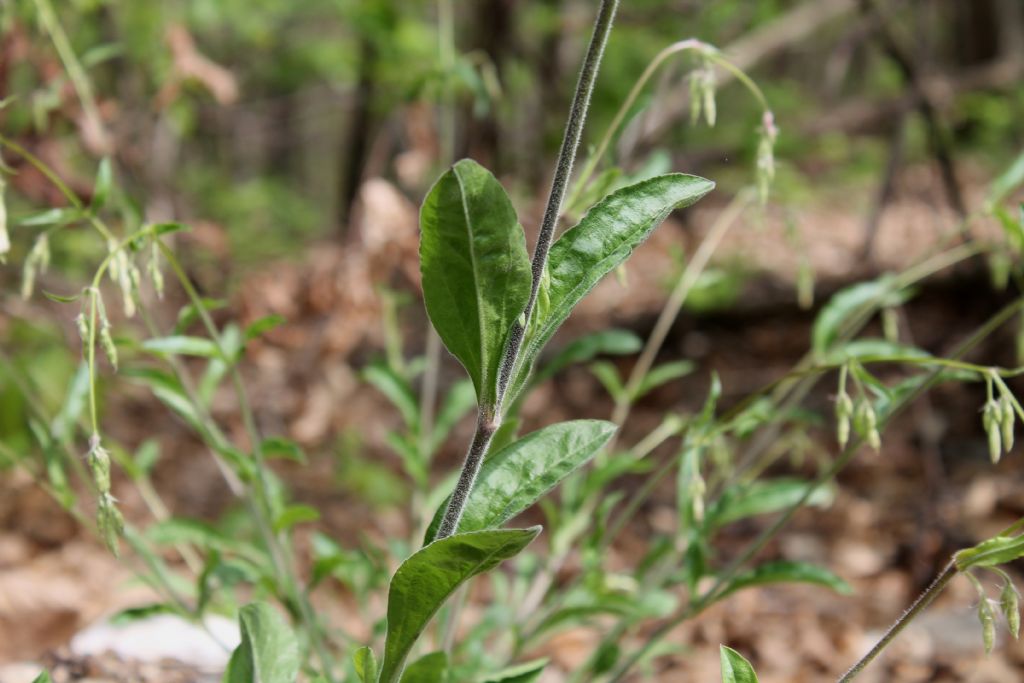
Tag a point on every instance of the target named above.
point(365, 664)
point(736, 669)
point(430, 668)
point(269, 652)
point(787, 572)
point(612, 342)
point(602, 240)
point(990, 553)
point(514, 478)
point(476, 273)
point(424, 582)
point(763, 497)
point(519, 673)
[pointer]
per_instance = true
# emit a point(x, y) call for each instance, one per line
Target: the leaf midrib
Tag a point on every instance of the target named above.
point(481, 324)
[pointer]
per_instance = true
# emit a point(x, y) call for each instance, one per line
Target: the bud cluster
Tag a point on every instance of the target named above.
point(998, 417)
point(702, 93)
point(109, 520)
point(866, 423)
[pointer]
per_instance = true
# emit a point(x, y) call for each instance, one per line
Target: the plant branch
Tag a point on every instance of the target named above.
point(563, 171)
point(489, 417)
point(919, 605)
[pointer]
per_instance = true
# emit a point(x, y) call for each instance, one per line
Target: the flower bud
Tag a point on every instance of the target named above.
point(1008, 416)
point(1009, 603)
point(767, 134)
point(866, 423)
point(988, 625)
point(844, 409)
point(156, 276)
point(99, 464)
point(991, 420)
point(110, 522)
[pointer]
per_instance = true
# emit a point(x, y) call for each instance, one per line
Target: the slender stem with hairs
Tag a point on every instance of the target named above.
point(489, 417)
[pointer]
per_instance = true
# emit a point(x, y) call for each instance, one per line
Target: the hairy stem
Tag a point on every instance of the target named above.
point(919, 605)
point(563, 171)
point(489, 418)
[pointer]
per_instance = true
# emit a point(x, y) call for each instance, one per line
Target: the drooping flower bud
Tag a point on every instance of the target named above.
point(37, 261)
point(1006, 422)
point(991, 420)
point(1009, 603)
point(110, 522)
point(767, 134)
point(988, 625)
point(844, 411)
point(98, 460)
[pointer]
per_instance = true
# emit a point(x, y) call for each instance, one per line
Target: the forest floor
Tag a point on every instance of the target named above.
point(896, 519)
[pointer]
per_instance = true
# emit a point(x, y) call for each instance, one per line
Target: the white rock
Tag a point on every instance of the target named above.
point(163, 636)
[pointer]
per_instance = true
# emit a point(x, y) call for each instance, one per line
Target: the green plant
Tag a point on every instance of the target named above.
point(495, 310)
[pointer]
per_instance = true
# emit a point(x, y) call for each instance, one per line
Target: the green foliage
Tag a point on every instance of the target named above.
point(513, 478)
point(599, 243)
point(269, 650)
point(423, 583)
point(736, 669)
point(787, 572)
point(476, 274)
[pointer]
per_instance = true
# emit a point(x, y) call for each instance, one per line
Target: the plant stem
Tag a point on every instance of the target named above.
point(485, 428)
point(919, 605)
point(489, 417)
point(563, 171)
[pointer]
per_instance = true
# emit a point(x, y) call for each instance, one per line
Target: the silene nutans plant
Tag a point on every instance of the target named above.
point(494, 306)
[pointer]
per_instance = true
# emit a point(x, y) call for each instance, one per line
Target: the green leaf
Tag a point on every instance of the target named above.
point(167, 228)
point(513, 478)
point(607, 374)
point(396, 389)
point(170, 392)
point(878, 348)
point(602, 240)
point(736, 669)
point(146, 456)
point(75, 400)
point(295, 514)
point(476, 273)
point(848, 302)
point(763, 497)
point(101, 190)
point(1007, 181)
point(269, 652)
point(517, 673)
point(609, 342)
point(285, 449)
point(993, 552)
point(661, 374)
point(43, 677)
point(264, 324)
point(427, 669)
point(787, 572)
point(60, 299)
point(425, 581)
point(194, 532)
point(52, 217)
point(365, 663)
point(181, 345)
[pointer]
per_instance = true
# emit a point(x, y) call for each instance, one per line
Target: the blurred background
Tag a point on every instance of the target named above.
point(297, 140)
